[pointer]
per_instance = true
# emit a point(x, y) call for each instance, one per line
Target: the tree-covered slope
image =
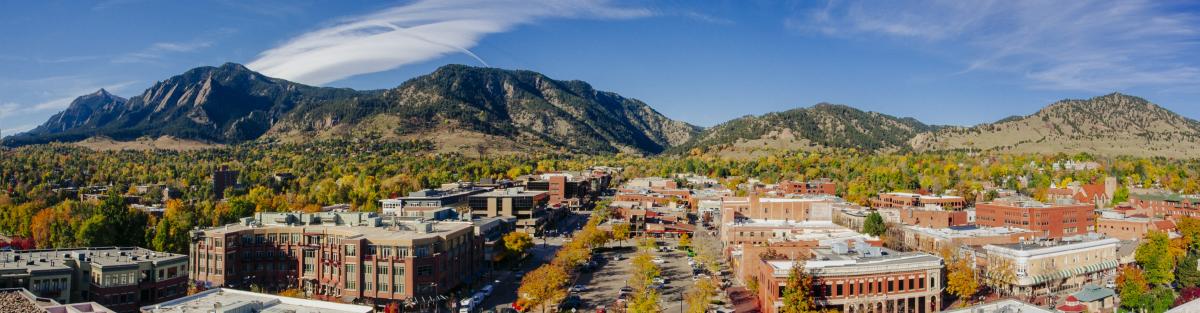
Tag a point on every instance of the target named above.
point(1113, 124)
point(820, 126)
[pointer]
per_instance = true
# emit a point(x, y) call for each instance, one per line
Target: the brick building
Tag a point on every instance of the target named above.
point(1052, 220)
point(1166, 205)
point(904, 199)
point(347, 257)
point(121, 279)
point(571, 190)
point(1122, 227)
point(223, 179)
point(813, 187)
point(932, 217)
point(781, 209)
point(854, 278)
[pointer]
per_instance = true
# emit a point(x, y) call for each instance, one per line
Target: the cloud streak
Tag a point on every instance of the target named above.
point(1060, 45)
point(59, 102)
point(159, 50)
point(412, 33)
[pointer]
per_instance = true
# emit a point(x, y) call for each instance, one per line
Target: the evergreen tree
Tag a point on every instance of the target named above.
point(874, 225)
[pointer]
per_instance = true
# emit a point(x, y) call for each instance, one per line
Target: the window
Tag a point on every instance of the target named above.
point(424, 270)
point(350, 250)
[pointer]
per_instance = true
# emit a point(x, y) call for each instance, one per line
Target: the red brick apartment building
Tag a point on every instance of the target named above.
point(346, 257)
point(858, 279)
point(1052, 220)
point(783, 209)
point(931, 217)
point(1132, 227)
point(1166, 205)
point(815, 187)
point(904, 199)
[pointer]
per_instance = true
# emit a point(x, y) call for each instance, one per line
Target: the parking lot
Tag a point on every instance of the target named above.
point(604, 284)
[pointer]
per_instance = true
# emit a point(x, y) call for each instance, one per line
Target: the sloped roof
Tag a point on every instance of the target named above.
point(1091, 293)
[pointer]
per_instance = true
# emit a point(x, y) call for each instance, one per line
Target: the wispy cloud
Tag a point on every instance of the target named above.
point(159, 50)
point(707, 18)
point(1067, 45)
point(57, 102)
point(8, 130)
point(414, 32)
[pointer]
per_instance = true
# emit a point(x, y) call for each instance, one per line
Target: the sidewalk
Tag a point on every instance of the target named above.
point(743, 301)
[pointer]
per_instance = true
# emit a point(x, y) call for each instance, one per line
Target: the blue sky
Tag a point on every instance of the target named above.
point(704, 62)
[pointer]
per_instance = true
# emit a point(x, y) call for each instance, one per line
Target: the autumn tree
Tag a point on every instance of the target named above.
point(644, 270)
point(685, 241)
point(1000, 275)
point(543, 286)
point(698, 295)
point(797, 292)
point(620, 232)
point(1132, 287)
point(960, 277)
point(645, 302)
point(516, 243)
point(1154, 256)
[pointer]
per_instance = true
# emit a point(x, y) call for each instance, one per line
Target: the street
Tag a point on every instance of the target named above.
point(541, 253)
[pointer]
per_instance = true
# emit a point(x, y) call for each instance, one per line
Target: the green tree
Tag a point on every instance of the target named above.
point(874, 225)
point(1154, 255)
point(1186, 274)
point(1120, 195)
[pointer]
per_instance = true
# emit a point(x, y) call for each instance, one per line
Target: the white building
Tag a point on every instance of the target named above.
point(238, 301)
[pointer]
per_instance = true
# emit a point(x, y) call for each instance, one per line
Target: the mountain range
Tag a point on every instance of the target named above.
point(488, 110)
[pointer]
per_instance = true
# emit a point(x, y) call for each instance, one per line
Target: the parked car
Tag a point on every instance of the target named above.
point(658, 261)
point(578, 288)
point(570, 302)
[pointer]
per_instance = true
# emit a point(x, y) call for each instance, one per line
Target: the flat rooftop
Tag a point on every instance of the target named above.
point(967, 231)
point(232, 300)
point(510, 192)
point(780, 199)
point(52, 259)
point(1079, 241)
point(916, 195)
point(399, 231)
point(827, 259)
